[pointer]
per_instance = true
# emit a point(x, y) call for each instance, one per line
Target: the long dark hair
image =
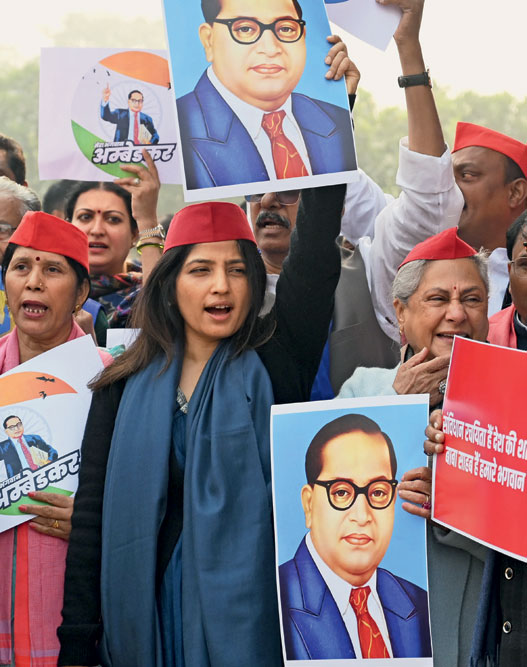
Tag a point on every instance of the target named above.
point(162, 327)
point(87, 186)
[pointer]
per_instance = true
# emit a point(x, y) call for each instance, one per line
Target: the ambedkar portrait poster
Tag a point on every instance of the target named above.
point(255, 111)
point(100, 108)
point(480, 477)
point(351, 563)
point(44, 404)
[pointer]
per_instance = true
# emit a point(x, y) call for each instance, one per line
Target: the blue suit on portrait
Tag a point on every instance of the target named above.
point(315, 630)
point(218, 150)
point(9, 455)
point(121, 118)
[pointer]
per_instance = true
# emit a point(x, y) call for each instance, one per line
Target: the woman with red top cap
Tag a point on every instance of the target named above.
point(45, 272)
point(171, 560)
point(440, 291)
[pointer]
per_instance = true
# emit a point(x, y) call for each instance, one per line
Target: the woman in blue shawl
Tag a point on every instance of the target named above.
point(171, 558)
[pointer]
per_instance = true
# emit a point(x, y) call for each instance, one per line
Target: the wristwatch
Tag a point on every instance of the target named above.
point(408, 80)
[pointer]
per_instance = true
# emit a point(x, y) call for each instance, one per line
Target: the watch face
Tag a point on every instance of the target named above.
point(422, 79)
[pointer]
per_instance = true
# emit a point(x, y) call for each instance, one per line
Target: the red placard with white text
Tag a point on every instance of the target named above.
point(479, 481)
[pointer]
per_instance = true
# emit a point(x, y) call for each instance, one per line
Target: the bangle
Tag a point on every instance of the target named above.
point(139, 247)
point(408, 80)
point(153, 232)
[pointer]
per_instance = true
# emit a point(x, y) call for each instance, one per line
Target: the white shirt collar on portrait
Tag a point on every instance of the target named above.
point(341, 590)
point(251, 118)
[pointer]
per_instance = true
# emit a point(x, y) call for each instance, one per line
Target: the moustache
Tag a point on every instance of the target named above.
point(269, 218)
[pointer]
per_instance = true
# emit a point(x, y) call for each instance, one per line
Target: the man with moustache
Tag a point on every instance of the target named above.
point(243, 123)
point(337, 603)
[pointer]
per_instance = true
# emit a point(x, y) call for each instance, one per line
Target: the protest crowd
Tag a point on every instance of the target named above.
point(165, 555)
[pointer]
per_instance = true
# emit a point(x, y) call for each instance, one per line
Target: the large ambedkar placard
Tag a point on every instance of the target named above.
point(351, 563)
point(100, 108)
point(43, 408)
point(479, 481)
point(255, 110)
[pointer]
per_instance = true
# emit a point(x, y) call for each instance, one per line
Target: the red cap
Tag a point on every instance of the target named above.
point(446, 245)
point(468, 134)
point(42, 231)
point(207, 223)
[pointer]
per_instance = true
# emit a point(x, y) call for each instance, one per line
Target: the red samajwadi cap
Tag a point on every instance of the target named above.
point(468, 134)
point(42, 231)
point(208, 223)
point(445, 245)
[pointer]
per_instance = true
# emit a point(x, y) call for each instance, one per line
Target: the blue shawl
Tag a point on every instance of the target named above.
point(229, 605)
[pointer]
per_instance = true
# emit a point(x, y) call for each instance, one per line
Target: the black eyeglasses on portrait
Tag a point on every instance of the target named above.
point(285, 198)
point(245, 30)
point(15, 427)
point(342, 493)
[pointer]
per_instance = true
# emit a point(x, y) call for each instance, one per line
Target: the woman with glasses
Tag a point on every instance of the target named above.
point(172, 557)
point(45, 272)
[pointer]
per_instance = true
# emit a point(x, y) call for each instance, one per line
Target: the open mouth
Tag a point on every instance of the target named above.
point(218, 310)
point(34, 308)
point(97, 246)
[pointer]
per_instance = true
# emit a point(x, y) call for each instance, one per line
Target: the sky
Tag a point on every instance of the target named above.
point(468, 44)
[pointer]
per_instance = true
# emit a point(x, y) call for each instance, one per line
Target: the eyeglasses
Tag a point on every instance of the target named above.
point(134, 100)
point(342, 493)
point(248, 31)
point(14, 427)
point(6, 231)
point(520, 266)
point(286, 198)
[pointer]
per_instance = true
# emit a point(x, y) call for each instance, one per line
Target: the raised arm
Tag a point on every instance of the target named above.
point(430, 201)
point(304, 295)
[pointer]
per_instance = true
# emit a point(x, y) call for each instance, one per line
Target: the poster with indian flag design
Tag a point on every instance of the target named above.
point(100, 108)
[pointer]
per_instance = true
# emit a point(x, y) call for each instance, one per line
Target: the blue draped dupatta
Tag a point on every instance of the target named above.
point(229, 605)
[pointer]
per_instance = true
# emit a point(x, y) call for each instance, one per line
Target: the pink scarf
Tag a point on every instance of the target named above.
point(501, 328)
point(40, 565)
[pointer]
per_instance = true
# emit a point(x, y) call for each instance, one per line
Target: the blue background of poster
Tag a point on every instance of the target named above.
point(292, 433)
point(183, 19)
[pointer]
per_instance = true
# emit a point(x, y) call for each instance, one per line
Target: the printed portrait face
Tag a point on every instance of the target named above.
point(352, 542)
point(14, 428)
point(263, 72)
point(135, 101)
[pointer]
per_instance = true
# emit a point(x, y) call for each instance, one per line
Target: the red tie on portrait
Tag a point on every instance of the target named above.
point(136, 127)
point(27, 454)
point(371, 642)
point(287, 160)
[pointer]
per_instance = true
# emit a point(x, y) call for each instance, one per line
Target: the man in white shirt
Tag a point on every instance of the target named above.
point(336, 601)
point(243, 123)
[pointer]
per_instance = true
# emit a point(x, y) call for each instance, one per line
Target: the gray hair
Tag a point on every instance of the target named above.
point(410, 275)
point(27, 199)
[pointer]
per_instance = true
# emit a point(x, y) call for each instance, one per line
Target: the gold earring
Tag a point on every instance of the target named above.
point(77, 308)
